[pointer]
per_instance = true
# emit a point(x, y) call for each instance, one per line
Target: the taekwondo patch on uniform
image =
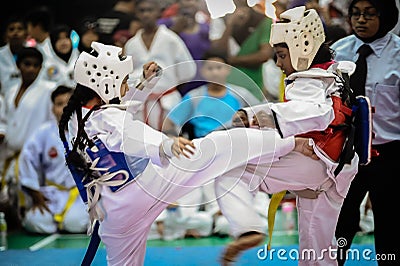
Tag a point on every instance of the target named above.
point(52, 152)
point(52, 71)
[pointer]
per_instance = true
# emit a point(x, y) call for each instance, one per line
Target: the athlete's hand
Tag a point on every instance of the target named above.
point(150, 69)
point(302, 145)
point(182, 146)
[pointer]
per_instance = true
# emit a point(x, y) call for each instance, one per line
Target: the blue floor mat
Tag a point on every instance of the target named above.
point(167, 256)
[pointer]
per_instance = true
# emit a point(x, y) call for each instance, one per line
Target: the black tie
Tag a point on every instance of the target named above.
point(357, 80)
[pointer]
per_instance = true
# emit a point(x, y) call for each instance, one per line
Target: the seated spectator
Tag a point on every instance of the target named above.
point(3, 126)
point(183, 219)
point(5, 204)
point(121, 37)
point(3, 120)
point(171, 8)
point(39, 23)
point(55, 204)
point(212, 105)
point(28, 105)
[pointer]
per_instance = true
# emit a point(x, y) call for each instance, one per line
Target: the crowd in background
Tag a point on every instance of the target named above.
point(36, 76)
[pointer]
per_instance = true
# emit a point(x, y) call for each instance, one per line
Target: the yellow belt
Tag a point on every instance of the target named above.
point(273, 207)
point(59, 187)
point(60, 217)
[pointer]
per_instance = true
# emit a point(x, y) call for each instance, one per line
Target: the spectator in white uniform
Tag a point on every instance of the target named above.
point(28, 105)
point(15, 39)
point(183, 219)
point(45, 178)
point(158, 43)
point(59, 65)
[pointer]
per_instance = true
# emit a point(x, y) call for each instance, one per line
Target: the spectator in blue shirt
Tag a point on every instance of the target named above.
point(210, 106)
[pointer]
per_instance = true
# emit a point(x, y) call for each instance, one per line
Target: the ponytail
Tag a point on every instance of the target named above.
point(78, 99)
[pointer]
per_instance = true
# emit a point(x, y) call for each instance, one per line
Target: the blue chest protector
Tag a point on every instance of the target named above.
point(115, 164)
point(114, 168)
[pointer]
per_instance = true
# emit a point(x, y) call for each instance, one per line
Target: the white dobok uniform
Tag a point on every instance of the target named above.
point(42, 168)
point(130, 211)
point(185, 216)
point(308, 108)
point(57, 70)
point(178, 67)
point(34, 108)
point(9, 72)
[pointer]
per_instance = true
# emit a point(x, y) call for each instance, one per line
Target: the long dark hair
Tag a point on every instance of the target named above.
point(79, 98)
point(324, 54)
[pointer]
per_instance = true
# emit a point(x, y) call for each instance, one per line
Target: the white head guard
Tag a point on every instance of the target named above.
point(103, 74)
point(303, 32)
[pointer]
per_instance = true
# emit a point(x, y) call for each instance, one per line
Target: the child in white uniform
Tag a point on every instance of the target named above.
point(311, 94)
point(15, 37)
point(56, 204)
point(127, 214)
point(59, 63)
point(183, 219)
point(28, 106)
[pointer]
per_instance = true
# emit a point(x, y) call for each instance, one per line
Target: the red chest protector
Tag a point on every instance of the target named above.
point(332, 139)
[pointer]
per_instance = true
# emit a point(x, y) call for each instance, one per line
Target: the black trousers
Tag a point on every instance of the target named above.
point(379, 177)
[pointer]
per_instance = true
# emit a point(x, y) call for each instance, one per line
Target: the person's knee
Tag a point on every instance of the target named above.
point(37, 222)
point(75, 222)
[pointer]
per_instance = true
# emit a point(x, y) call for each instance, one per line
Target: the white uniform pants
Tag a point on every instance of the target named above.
point(129, 213)
point(317, 217)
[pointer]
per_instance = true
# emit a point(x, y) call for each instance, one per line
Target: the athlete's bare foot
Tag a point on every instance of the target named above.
point(244, 242)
